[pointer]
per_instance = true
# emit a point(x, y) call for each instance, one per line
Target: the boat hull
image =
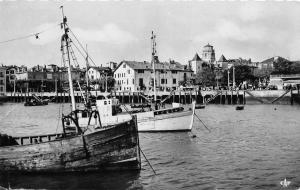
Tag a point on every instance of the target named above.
point(171, 122)
point(114, 148)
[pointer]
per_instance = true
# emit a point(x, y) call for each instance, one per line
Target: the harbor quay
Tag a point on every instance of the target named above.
point(184, 97)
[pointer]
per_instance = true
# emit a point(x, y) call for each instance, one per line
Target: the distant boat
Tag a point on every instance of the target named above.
point(36, 101)
point(201, 106)
point(239, 107)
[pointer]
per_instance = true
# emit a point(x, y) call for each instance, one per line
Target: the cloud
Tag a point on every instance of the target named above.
point(110, 34)
point(240, 32)
point(251, 11)
point(228, 30)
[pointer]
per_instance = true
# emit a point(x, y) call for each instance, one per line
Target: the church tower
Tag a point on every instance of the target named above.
point(208, 54)
point(196, 64)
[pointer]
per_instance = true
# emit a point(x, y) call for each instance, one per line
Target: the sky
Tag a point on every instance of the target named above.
point(116, 31)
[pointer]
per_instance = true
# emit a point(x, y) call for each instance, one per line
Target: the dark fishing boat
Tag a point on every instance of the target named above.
point(36, 101)
point(113, 147)
point(239, 107)
point(201, 106)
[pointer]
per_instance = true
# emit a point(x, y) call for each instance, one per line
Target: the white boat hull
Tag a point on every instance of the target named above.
point(181, 121)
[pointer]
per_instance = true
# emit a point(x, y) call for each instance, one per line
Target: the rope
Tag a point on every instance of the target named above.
point(89, 57)
point(147, 160)
point(202, 123)
point(28, 36)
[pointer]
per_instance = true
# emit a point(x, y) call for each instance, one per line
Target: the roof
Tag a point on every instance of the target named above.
point(208, 45)
point(175, 66)
point(196, 58)
point(101, 68)
point(222, 59)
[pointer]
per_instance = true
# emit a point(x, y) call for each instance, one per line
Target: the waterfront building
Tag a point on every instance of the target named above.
point(2, 81)
point(223, 62)
point(228, 63)
point(269, 63)
point(284, 81)
point(196, 64)
point(208, 54)
point(97, 73)
point(136, 76)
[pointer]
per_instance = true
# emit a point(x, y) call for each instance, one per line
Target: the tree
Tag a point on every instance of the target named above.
point(242, 73)
point(206, 77)
point(283, 66)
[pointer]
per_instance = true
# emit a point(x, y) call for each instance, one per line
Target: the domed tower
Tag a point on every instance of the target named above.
point(208, 54)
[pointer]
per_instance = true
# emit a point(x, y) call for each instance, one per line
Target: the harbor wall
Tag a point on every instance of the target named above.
point(184, 97)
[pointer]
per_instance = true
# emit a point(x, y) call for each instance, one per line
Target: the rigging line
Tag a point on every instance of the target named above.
point(78, 50)
point(89, 57)
point(29, 35)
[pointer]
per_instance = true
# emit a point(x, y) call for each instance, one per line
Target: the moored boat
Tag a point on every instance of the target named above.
point(161, 120)
point(201, 106)
point(111, 148)
point(239, 107)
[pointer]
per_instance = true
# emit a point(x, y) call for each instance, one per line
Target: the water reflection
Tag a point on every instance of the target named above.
point(94, 180)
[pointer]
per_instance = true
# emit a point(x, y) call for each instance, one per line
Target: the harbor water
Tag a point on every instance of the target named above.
point(251, 149)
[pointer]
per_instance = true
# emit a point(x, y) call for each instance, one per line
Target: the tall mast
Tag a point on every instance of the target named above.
point(154, 59)
point(233, 77)
point(87, 76)
point(65, 38)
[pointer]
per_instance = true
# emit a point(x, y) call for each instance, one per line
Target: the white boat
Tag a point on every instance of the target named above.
point(162, 120)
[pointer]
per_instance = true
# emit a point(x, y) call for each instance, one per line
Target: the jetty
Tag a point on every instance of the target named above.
point(228, 97)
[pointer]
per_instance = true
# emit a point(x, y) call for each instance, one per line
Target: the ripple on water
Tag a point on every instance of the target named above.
point(252, 149)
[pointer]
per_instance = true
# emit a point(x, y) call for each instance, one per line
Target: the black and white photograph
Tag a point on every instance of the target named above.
point(149, 94)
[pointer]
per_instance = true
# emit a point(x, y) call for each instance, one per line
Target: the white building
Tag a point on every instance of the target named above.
point(196, 64)
point(135, 76)
point(96, 73)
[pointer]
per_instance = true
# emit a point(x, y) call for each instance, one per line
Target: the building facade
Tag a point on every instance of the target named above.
point(2, 81)
point(96, 73)
point(137, 76)
point(196, 64)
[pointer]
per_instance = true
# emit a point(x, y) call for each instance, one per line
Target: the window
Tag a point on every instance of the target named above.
point(105, 103)
point(115, 76)
point(127, 81)
point(140, 71)
point(174, 72)
point(141, 82)
point(124, 66)
point(162, 71)
point(162, 81)
point(132, 81)
point(128, 71)
point(174, 81)
point(1, 89)
point(1, 74)
point(1, 82)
